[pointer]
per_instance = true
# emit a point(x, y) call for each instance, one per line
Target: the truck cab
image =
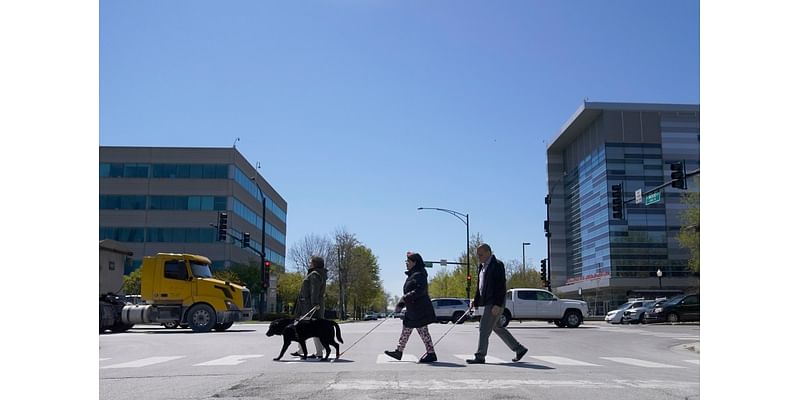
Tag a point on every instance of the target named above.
point(179, 288)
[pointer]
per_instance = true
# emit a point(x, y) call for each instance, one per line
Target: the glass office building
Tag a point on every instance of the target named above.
point(165, 199)
point(605, 259)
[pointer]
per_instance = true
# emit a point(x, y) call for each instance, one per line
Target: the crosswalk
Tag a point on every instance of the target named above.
point(546, 360)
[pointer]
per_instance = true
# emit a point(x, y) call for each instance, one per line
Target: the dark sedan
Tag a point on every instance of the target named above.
point(684, 307)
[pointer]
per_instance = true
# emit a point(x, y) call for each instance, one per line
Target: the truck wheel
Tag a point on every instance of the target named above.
point(572, 319)
point(505, 318)
point(202, 318)
point(223, 327)
point(170, 324)
point(119, 327)
point(457, 315)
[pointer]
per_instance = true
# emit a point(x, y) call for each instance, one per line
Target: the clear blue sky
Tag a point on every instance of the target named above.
point(361, 111)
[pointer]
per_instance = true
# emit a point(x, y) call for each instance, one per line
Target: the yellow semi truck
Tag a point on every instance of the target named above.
point(178, 289)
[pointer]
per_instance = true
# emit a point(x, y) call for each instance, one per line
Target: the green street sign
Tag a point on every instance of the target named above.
point(652, 198)
point(428, 264)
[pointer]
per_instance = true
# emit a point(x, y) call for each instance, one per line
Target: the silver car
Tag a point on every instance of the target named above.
point(450, 309)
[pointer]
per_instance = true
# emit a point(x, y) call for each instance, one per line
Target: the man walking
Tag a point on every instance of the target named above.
point(491, 294)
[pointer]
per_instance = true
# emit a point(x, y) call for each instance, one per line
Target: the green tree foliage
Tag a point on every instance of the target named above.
point(689, 236)
point(289, 287)
point(366, 290)
point(227, 275)
point(517, 278)
point(132, 283)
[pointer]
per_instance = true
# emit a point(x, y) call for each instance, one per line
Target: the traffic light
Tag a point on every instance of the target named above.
point(222, 227)
point(265, 281)
point(616, 201)
point(246, 240)
point(678, 175)
point(469, 278)
point(543, 271)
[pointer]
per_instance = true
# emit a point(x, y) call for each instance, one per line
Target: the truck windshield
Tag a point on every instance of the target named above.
point(200, 270)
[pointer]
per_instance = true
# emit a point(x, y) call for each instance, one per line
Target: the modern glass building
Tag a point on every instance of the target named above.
point(606, 260)
point(166, 199)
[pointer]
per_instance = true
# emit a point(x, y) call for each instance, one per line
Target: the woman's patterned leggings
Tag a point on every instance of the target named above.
point(423, 333)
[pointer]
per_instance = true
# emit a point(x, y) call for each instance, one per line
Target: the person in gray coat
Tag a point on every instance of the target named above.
point(312, 293)
point(419, 309)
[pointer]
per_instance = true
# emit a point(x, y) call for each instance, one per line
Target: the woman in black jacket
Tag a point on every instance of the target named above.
point(419, 309)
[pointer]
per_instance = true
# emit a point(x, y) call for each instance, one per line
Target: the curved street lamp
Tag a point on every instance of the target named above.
point(465, 219)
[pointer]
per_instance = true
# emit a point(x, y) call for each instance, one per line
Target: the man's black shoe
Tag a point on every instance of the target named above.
point(296, 354)
point(396, 354)
point(520, 354)
point(476, 361)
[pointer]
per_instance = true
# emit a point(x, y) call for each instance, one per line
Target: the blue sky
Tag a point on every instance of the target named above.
point(361, 111)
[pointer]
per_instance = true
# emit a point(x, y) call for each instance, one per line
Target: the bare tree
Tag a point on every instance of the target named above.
point(312, 245)
point(344, 244)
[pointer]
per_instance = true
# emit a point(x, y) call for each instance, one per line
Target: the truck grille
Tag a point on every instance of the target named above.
point(246, 296)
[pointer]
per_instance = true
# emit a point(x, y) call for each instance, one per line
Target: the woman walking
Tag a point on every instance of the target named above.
point(419, 309)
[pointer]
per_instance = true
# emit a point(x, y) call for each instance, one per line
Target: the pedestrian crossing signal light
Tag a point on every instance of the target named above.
point(678, 175)
point(246, 240)
point(222, 227)
point(616, 201)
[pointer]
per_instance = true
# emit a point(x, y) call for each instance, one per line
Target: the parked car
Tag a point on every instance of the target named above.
point(684, 307)
point(450, 309)
point(541, 305)
point(635, 315)
point(615, 316)
point(370, 316)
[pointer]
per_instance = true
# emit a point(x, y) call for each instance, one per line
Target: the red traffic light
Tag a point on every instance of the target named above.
point(469, 277)
point(267, 264)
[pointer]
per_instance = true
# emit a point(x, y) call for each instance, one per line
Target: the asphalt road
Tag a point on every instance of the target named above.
point(596, 360)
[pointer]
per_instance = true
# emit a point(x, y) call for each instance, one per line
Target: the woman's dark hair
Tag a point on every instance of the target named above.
point(418, 262)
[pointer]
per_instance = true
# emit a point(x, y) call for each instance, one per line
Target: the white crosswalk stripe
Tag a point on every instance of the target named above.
point(104, 359)
point(229, 360)
point(563, 361)
point(693, 361)
point(639, 363)
point(143, 362)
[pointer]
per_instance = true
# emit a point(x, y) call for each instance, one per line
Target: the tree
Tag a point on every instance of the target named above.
point(517, 278)
point(689, 236)
point(227, 275)
point(344, 243)
point(132, 283)
point(312, 245)
point(289, 288)
point(364, 280)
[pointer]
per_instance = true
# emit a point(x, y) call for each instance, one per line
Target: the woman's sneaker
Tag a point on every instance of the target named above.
point(428, 358)
point(396, 354)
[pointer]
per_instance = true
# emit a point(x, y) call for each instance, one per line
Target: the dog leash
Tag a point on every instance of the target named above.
point(362, 337)
point(454, 325)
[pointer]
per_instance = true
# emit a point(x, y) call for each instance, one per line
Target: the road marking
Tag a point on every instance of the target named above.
point(143, 362)
point(639, 363)
point(489, 359)
point(103, 359)
point(483, 384)
point(229, 360)
point(693, 361)
point(563, 361)
point(384, 359)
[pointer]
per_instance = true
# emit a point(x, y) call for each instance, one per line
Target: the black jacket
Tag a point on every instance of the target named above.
point(495, 290)
point(419, 309)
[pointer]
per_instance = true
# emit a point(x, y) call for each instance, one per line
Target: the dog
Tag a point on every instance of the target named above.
point(305, 329)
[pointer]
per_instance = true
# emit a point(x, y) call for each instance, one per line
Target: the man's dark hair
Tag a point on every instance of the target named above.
point(317, 262)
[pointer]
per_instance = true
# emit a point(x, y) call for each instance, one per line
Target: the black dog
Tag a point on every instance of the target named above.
point(305, 329)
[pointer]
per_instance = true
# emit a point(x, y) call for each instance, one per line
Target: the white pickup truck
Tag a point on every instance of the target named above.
point(541, 305)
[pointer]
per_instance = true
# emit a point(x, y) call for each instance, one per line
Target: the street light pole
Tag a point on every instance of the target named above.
point(465, 219)
point(262, 304)
point(523, 256)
